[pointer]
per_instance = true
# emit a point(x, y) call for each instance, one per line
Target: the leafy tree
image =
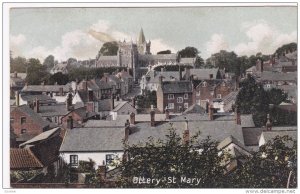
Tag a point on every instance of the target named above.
point(49, 62)
point(287, 47)
point(146, 100)
point(191, 52)
point(173, 158)
point(18, 64)
point(109, 49)
point(164, 52)
point(36, 73)
point(71, 60)
point(276, 96)
point(227, 60)
point(59, 78)
point(283, 117)
point(252, 99)
point(270, 166)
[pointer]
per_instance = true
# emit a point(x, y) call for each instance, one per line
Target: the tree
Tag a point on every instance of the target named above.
point(173, 160)
point(71, 60)
point(252, 99)
point(36, 73)
point(49, 62)
point(109, 49)
point(18, 64)
point(276, 96)
point(226, 60)
point(192, 52)
point(146, 100)
point(270, 166)
point(58, 78)
point(164, 52)
point(287, 47)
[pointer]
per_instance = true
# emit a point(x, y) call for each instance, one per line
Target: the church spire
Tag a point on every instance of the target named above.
point(141, 37)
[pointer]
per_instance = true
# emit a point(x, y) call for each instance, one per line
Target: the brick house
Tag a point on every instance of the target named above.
point(26, 122)
point(208, 90)
point(177, 96)
point(78, 116)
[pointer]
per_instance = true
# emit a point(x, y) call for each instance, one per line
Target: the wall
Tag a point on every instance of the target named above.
point(98, 157)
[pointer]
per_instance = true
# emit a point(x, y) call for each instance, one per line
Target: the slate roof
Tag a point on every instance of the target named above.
point(93, 140)
point(171, 57)
point(230, 139)
point(124, 75)
point(104, 105)
point(277, 76)
point(53, 110)
point(46, 88)
point(20, 75)
point(187, 60)
point(167, 76)
point(251, 136)
point(203, 73)
point(195, 108)
point(217, 130)
point(83, 113)
point(108, 58)
point(177, 87)
point(120, 105)
point(120, 122)
point(33, 115)
point(229, 100)
point(41, 97)
point(142, 117)
point(102, 84)
point(23, 159)
point(270, 135)
point(42, 137)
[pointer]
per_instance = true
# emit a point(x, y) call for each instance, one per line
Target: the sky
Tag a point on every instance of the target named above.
point(80, 32)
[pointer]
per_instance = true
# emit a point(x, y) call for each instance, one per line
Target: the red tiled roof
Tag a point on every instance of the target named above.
point(23, 158)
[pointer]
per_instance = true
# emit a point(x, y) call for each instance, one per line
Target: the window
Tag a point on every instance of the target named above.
point(204, 84)
point(109, 158)
point(186, 105)
point(55, 119)
point(198, 93)
point(74, 160)
point(23, 131)
point(12, 120)
point(170, 96)
point(179, 100)
point(171, 106)
point(211, 76)
point(219, 96)
point(179, 108)
point(23, 120)
point(186, 96)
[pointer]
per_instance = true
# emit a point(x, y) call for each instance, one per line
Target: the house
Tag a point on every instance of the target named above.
point(17, 82)
point(127, 81)
point(96, 89)
point(78, 117)
point(40, 153)
point(57, 92)
point(226, 103)
point(27, 123)
point(122, 108)
point(268, 135)
point(207, 91)
point(28, 99)
point(150, 81)
point(177, 96)
point(202, 74)
point(114, 82)
point(60, 68)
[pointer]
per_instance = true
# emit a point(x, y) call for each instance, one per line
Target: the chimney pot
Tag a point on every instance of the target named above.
point(70, 122)
point(17, 96)
point(132, 118)
point(237, 115)
point(152, 115)
point(211, 112)
point(268, 124)
point(37, 106)
point(186, 133)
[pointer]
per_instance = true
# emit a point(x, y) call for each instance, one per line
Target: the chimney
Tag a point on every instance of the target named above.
point(69, 102)
point(84, 85)
point(167, 112)
point(152, 115)
point(127, 130)
point(211, 112)
point(15, 74)
point(37, 105)
point(160, 80)
point(180, 73)
point(237, 115)
point(61, 91)
point(186, 133)
point(162, 69)
point(17, 96)
point(102, 171)
point(70, 122)
point(90, 107)
point(112, 102)
point(105, 75)
point(268, 124)
point(187, 73)
point(132, 118)
point(133, 101)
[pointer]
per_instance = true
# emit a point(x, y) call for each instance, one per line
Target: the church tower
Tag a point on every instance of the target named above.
point(143, 46)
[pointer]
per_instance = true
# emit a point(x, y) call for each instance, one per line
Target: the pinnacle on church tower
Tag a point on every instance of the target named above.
point(141, 37)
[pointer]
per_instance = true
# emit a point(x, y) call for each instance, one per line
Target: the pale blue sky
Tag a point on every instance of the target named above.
point(63, 32)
